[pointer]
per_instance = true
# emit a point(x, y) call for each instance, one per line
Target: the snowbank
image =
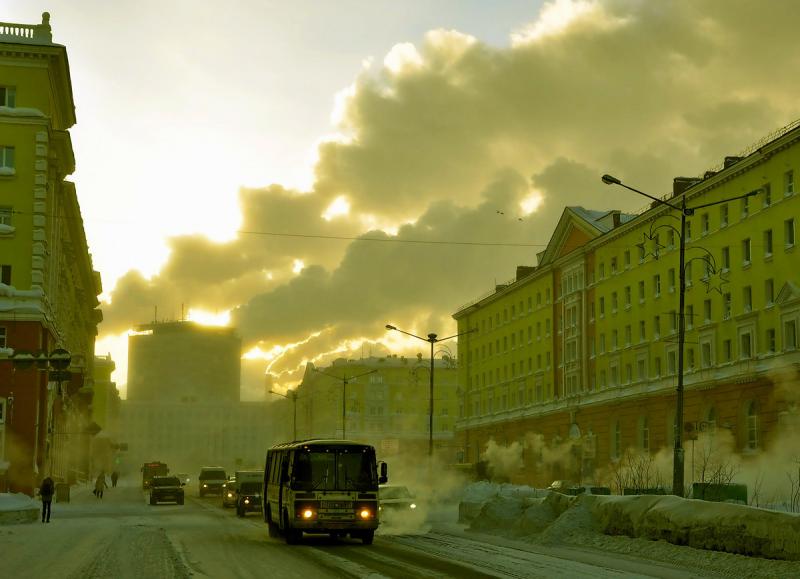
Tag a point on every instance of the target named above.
point(558, 518)
point(477, 494)
point(17, 508)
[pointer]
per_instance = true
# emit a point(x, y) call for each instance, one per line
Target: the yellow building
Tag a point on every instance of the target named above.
point(582, 349)
point(48, 287)
point(387, 404)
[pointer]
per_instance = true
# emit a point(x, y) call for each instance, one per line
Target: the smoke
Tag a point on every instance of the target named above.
point(504, 461)
point(448, 140)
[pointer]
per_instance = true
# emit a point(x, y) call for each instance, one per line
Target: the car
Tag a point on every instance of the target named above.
point(166, 489)
point(396, 500)
point(229, 493)
point(248, 497)
point(211, 479)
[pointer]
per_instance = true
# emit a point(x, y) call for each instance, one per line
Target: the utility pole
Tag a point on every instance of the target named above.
point(345, 379)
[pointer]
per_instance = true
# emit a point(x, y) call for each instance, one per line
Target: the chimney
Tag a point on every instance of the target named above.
point(681, 184)
point(524, 271)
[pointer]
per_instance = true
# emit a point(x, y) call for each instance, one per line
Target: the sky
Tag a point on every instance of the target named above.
point(276, 165)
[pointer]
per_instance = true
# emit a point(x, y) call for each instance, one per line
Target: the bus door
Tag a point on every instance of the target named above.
point(283, 482)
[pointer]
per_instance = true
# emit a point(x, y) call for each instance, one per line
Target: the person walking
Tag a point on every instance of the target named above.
point(46, 491)
point(100, 484)
point(114, 478)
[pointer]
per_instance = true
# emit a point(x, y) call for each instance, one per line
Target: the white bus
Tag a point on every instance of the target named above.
point(322, 486)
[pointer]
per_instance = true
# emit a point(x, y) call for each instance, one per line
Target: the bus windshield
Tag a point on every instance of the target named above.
point(335, 469)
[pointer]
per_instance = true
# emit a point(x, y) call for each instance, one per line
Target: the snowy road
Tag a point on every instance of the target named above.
point(122, 536)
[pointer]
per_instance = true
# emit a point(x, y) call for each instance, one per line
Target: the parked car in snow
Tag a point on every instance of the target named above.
point(396, 500)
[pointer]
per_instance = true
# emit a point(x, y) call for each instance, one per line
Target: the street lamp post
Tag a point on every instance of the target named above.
point(432, 339)
point(678, 459)
point(345, 381)
point(290, 395)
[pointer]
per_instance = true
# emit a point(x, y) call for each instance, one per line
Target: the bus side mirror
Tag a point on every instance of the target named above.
point(384, 478)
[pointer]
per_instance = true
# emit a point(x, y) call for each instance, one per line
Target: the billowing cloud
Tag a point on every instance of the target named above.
point(443, 140)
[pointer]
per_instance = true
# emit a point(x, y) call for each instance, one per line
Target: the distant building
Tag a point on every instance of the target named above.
point(184, 362)
point(105, 416)
point(581, 350)
point(48, 286)
point(388, 408)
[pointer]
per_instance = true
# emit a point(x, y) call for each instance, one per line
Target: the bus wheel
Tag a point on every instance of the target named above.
point(368, 537)
point(291, 535)
point(272, 528)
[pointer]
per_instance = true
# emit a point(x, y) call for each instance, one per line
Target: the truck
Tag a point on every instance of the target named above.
point(150, 470)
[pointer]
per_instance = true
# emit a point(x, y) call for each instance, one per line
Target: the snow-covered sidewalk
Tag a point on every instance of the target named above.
point(18, 508)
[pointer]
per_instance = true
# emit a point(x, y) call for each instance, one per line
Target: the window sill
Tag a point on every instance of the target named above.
point(789, 248)
point(767, 257)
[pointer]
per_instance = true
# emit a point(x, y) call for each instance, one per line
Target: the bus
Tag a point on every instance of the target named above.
point(151, 469)
point(322, 486)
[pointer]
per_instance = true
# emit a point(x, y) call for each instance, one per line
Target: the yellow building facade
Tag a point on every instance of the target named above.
point(387, 404)
point(602, 380)
point(48, 286)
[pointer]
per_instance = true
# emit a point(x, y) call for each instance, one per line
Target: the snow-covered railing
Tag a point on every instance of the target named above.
point(27, 33)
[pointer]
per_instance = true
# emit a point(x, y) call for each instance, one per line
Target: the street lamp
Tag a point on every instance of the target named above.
point(345, 381)
point(677, 461)
point(432, 339)
point(290, 395)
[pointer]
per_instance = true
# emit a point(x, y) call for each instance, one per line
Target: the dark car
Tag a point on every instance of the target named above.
point(396, 500)
point(166, 489)
point(211, 479)
point(248, 497)
point(229, 493)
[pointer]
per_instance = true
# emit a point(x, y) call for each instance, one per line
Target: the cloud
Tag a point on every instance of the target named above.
point(443, 134)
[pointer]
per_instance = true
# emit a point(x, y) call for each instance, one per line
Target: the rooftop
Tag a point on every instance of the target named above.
point(27, 33)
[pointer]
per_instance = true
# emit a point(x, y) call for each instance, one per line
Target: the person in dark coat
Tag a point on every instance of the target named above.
point(114, 478)
point(46, 491)
point(100, 484)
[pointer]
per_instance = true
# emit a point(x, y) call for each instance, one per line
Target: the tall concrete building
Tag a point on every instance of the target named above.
point(184, 362)
point(48, 286)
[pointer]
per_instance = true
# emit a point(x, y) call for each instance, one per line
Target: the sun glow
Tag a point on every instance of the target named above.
point(531, 203)
point(298, 265)
point(340, 206)
point(205, 318)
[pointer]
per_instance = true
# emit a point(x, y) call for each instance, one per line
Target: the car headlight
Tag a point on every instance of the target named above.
point(230, 495)
point(205, 486)
point(413, 506)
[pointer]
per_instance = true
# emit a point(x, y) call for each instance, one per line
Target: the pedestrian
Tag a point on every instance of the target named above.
point(100, 484)
point(46, 492)
point(114, 478)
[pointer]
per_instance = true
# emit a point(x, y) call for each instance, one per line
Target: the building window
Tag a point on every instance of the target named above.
point(707, 310)
point(727, 350)
point(640, 248)
point(690, 316)
point(673, 321)
point(656, 327)
point(602, 343)
point(688, 230)
point(726, 306)
point(656, 285)
point(538, 298)
point(641, 292)
point(3, 338)
point(723, 215)
point(627, 256)
point(613, 302)
point(672, 366)
point(614, 375)
point(628, 335)
point(747, 299)
point(704, 224)
point(616, 441)
point(614, 343)
point(5, 215)
point(745, 207)
point(788, 183)
point(705, 354)
point(746, 346)
point(514, 312)
point(628, 373)
point(602, 271)
point(8, 96)
point(768, 243)
point(790, 335)
point(671, 279)
point(645, 435)
point(641, 370)
point(771, 340)
point(642, 331)
point(766, 192)
point(5, 274)
point(613, 265)
point(751, 418)
point(788, 232)
point(687, 272)
point(627, 296)
point(726, 259)
point(602, 306)
point(658, 366)
point(7, 160)
point(746, 251)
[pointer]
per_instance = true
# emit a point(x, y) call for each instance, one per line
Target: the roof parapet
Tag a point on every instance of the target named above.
point(27, 33)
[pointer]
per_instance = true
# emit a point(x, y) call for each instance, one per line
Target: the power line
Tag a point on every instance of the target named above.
point(393, 239)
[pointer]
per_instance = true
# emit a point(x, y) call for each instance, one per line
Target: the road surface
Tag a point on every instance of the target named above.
point(122, 536)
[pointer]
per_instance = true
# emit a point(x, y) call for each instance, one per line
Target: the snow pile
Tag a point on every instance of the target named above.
point(559, 518)
point(476, 495)
point(17, 508)
point(705, 525)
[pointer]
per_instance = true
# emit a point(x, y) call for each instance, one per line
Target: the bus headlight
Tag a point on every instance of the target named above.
point(205, 486)
point(364, 513)
point(247, 501)
point(308, 513)
point(413, 506)
point(230, 495)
